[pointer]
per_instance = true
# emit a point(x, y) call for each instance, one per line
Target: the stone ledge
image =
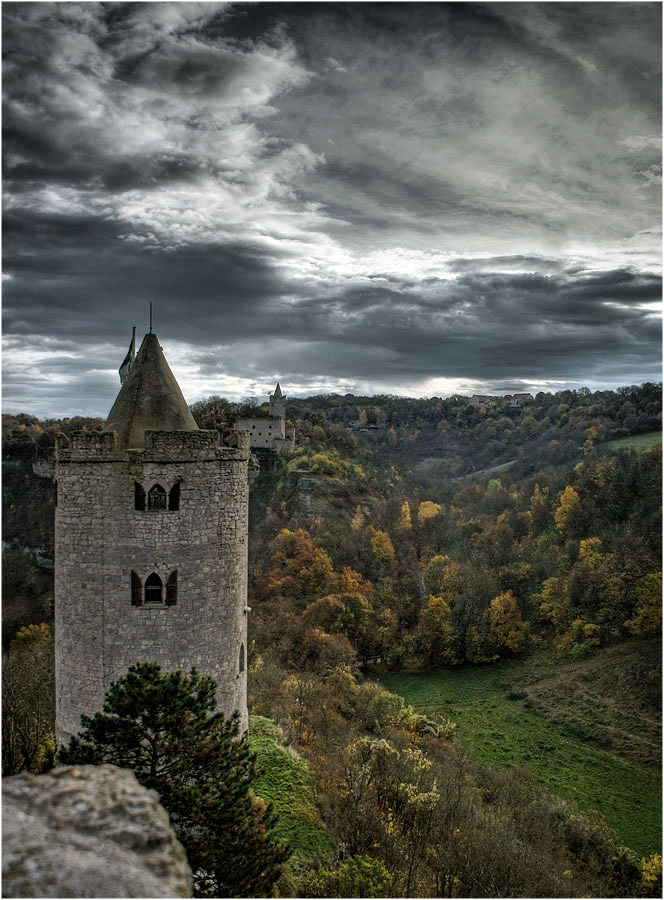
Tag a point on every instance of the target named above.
point(88, 831)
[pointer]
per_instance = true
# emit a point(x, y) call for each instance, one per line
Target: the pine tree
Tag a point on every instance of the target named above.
point(163, 727)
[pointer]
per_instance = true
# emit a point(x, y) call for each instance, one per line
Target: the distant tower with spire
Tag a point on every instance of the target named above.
point(150, 546)
point(278, 403)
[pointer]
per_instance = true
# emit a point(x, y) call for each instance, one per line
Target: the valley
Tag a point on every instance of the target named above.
point(453, 656)
point(506, 717)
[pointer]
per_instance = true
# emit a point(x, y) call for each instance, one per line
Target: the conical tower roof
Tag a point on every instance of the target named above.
point(277, 392)
point(150, 398)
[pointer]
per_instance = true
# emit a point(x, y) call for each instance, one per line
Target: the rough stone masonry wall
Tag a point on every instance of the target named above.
point(278, 407)
point(100, 538)
point(264, 432)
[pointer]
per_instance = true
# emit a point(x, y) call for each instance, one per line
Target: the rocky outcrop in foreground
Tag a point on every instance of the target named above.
point(88, 831)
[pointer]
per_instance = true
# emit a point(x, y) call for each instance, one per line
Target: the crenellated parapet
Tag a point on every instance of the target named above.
point(166, 446)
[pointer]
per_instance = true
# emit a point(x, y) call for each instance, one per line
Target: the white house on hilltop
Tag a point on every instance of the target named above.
point(520, 399)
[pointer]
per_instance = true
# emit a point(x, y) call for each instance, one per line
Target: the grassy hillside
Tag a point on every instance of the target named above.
point(636, 441)
point(612, 698)
point(498, 724)
point(284, 780)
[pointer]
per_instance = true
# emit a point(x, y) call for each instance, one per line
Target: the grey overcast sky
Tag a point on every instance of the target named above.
point(409, 198)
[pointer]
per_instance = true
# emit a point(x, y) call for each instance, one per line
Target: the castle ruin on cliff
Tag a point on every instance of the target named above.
point(270, 432)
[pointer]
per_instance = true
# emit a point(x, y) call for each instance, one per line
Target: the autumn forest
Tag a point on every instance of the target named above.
point(511, 551)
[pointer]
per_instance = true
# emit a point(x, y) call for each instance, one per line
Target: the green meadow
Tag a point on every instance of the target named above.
point(499, 731)
point(636, 441)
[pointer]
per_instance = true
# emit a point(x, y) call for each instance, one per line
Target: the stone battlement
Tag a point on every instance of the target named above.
point(165, 446)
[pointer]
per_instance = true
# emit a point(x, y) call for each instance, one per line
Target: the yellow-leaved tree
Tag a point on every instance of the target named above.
point(568, 514)
point(28, 701)
point(590, 552)
point(507, 626)
point(434, 573)
point(555, 603)
point(440, 617)
point(381, 544)
point(404, 517)
point(357, 523)
point(651, 876)
point(539, 506)
point(647, 620)
point(428, 509)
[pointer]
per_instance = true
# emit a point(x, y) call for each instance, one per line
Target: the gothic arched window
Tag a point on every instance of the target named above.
point(241, 664)
point(154, 589)
point(156, 497)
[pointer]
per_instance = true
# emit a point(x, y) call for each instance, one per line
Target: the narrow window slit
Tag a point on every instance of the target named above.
point(139, 496)
point(136, 590)
point(172, 588)
point(174, 497)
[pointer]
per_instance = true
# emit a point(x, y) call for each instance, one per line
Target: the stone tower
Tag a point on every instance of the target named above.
point(150, 547)
point(278, 404)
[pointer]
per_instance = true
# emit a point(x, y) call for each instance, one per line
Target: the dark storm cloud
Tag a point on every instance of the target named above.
point(485, 325)
point(231, 283)
point(346, 196)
